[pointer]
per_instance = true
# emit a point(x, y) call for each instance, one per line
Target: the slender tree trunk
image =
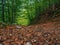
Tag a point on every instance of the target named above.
point(3, 3)
point(13, 10)
point(8, 11)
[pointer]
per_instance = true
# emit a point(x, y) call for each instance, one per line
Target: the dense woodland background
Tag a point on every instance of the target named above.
point(16, 11)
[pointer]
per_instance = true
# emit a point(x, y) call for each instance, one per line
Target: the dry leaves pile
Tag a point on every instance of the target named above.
point(40, 34)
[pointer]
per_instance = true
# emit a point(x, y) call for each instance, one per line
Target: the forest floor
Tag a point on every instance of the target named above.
point(42, 33)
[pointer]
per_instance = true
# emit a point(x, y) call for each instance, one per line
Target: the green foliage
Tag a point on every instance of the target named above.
point(23, 12)
point(26, 12)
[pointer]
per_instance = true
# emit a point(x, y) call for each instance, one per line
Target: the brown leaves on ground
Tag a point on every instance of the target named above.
point(40, 34)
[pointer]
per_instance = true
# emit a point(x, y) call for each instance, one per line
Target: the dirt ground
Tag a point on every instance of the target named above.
point(47, 33)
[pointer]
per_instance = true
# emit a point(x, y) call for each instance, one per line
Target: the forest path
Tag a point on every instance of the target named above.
point(47, 33)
